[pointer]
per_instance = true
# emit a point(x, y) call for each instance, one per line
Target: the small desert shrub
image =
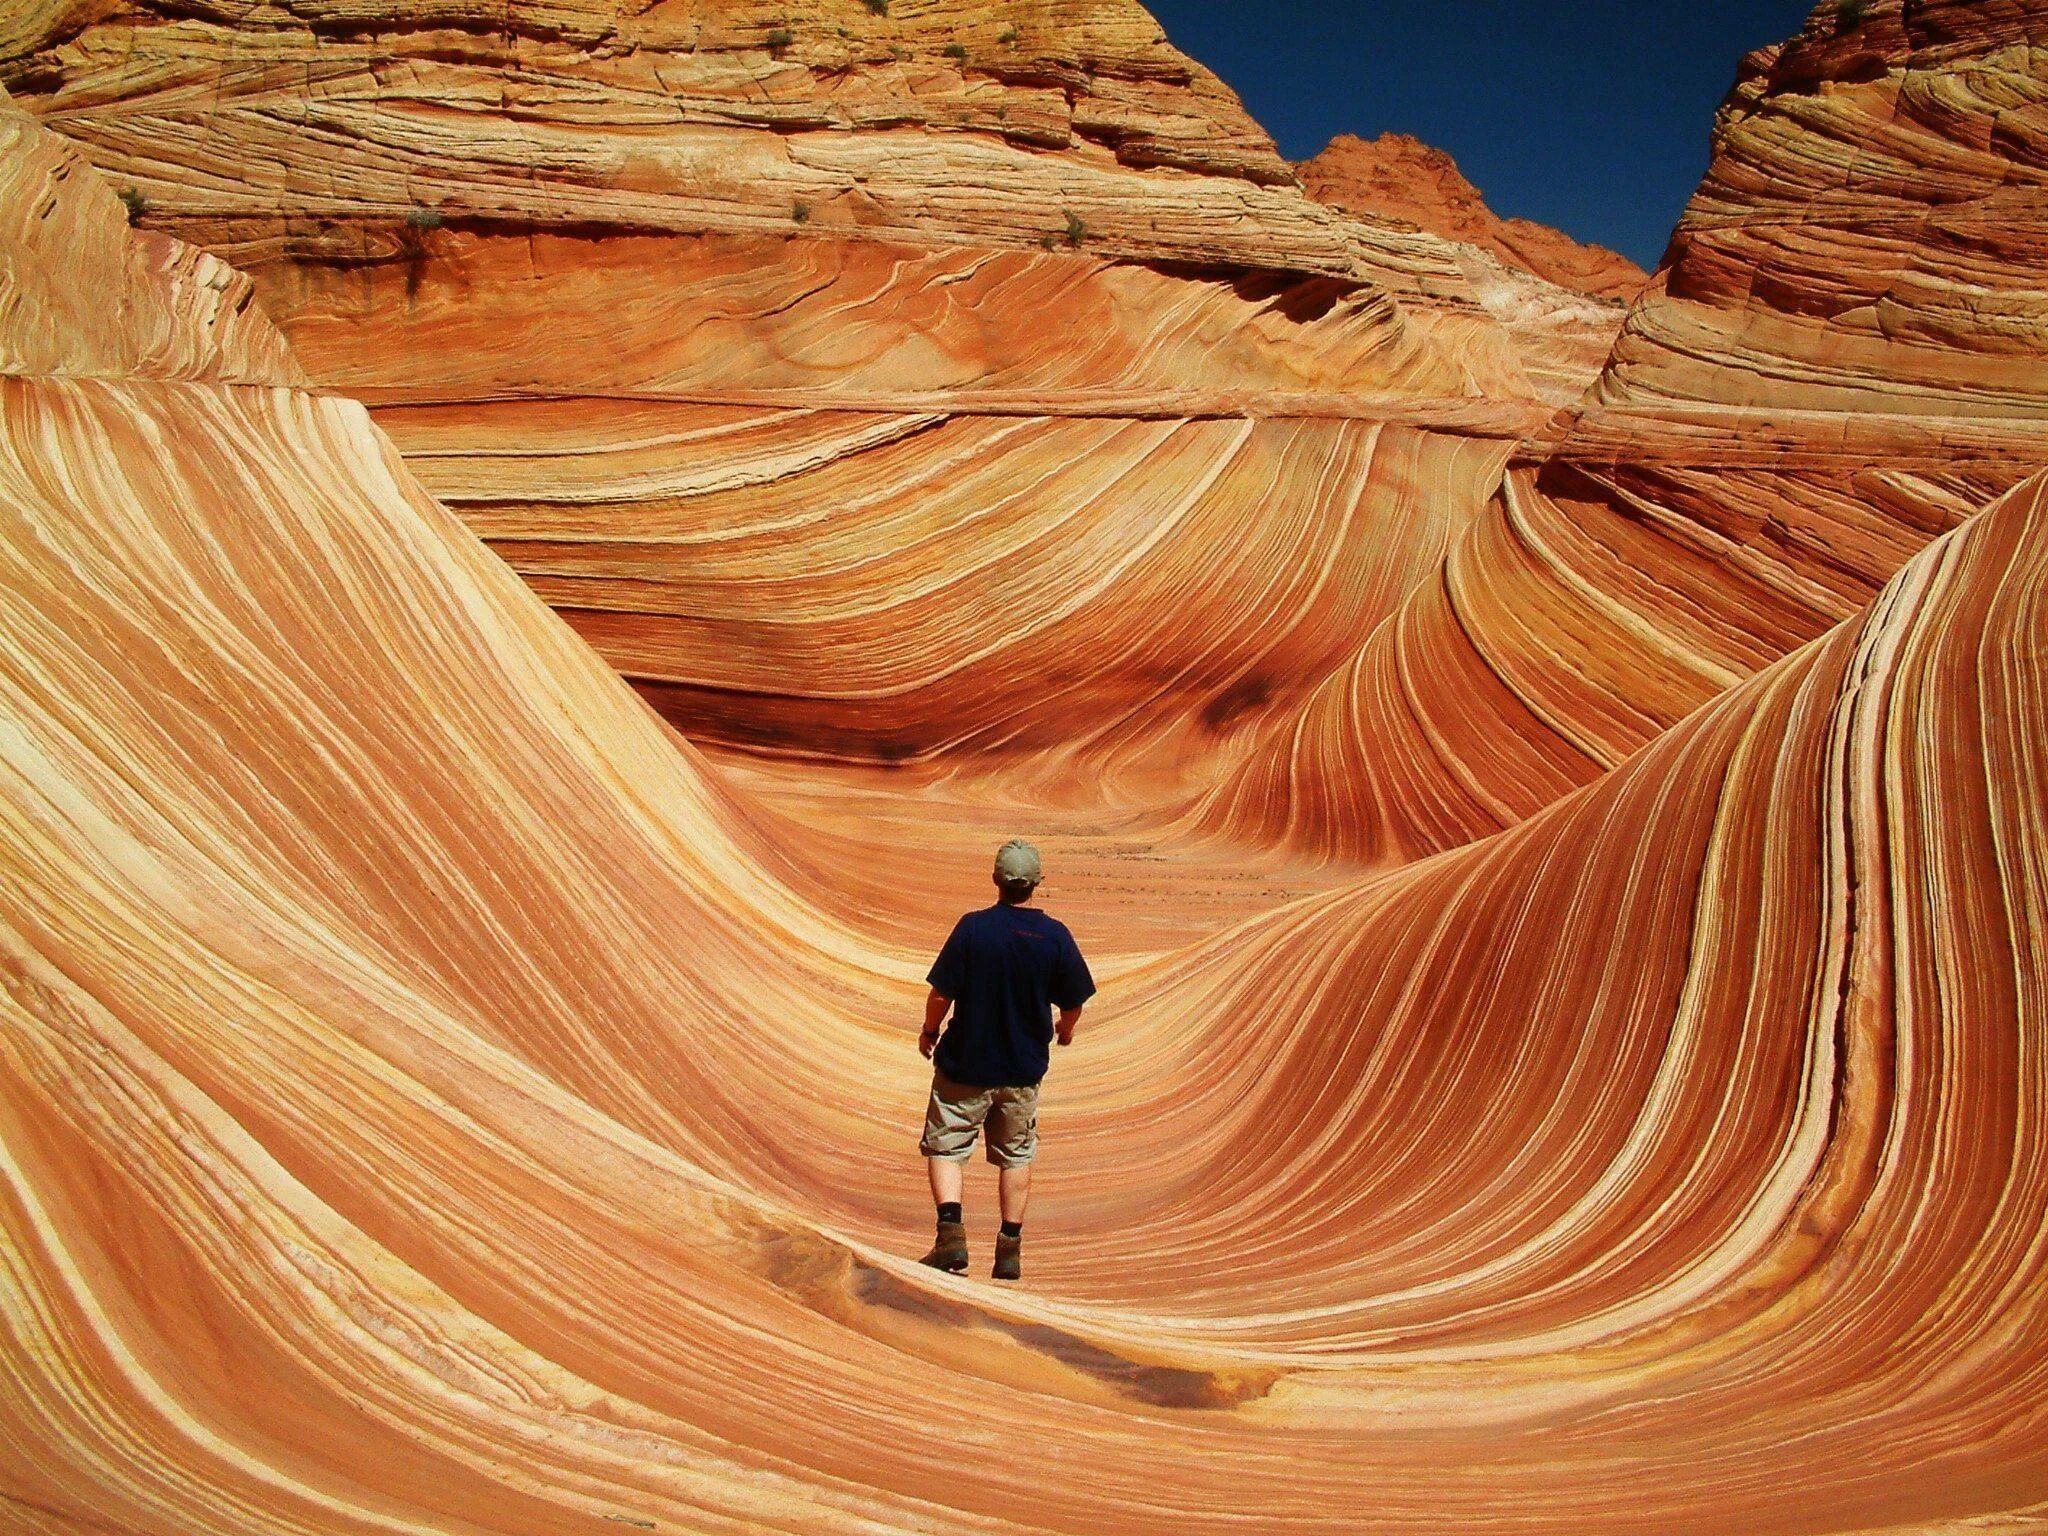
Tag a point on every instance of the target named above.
point(136, 204)
point(800, 213)
point(1850, 14)
point(956, 51)
point(779, 39)
point(1007, 36)
point(1076, 231)
point(878, 7)
point(412, 244)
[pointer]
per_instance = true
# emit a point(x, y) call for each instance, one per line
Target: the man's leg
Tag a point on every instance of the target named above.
point(953, 1118)
point(1012, 1135)
point(1014, 1185)
point(948, 1179)
point(949, 1247)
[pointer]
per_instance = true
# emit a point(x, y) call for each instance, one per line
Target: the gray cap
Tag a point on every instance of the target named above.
point(1017, 863)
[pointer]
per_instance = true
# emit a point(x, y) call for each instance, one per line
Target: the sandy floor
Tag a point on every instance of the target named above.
point(913, 849)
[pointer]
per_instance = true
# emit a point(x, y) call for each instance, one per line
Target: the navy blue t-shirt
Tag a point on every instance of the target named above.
point(1006, 969)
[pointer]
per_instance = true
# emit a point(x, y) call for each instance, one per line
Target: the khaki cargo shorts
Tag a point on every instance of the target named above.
point(1006, 1117)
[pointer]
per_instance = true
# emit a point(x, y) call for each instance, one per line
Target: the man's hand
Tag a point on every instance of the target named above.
point(1063, 1027)
point(935, 1007)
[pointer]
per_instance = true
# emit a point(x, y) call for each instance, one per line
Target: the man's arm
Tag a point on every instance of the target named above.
point(1071, 980)
point(935, 1007)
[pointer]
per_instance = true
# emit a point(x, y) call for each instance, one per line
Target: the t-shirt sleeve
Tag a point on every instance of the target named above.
point(948, 974)
point(1072, 985)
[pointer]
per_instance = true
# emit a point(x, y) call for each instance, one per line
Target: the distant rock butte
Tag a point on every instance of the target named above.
point(1398, 177)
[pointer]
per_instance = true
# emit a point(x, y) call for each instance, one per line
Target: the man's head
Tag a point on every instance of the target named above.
point(1017, 871)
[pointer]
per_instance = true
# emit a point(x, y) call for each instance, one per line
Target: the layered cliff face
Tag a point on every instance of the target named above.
point(1798, 403)
point(1867, 237)
point(389, 1139)
point(1073, 126)
point(657, 297)
point(1395, 176)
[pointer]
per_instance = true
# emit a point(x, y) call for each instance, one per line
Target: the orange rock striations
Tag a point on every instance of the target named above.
point(83, 296)
point(390, 1139)
point(1869, 237)
point(628, 287)
point(1752, 465)
point(437, 1097)
point(937, 123)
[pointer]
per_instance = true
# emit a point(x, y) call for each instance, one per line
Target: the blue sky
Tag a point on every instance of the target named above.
point(1591, 115)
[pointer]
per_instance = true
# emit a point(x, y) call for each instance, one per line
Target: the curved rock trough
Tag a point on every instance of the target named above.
point(514, 641)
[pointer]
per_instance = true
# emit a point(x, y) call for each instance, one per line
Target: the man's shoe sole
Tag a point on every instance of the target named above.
point(944, 1266)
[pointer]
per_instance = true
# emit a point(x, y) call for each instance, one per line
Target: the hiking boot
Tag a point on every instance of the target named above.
point(1009, 1257)
point(950, 1251)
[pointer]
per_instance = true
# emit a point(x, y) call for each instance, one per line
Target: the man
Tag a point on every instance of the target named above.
point(1002, 972)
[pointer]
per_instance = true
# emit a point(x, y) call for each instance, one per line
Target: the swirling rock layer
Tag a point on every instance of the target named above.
point(1798, 403)
point(627, 283)
point(1571, 1056)
point(1867, 237)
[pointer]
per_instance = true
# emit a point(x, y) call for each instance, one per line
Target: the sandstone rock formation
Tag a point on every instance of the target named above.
point(595, 271)
point(437, 1097)
point(1865, 239)
point(944, 123)
point(1396, 176)
point(1762, 451)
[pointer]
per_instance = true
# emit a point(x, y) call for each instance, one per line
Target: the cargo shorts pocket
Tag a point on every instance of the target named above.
point(1011, 1133)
